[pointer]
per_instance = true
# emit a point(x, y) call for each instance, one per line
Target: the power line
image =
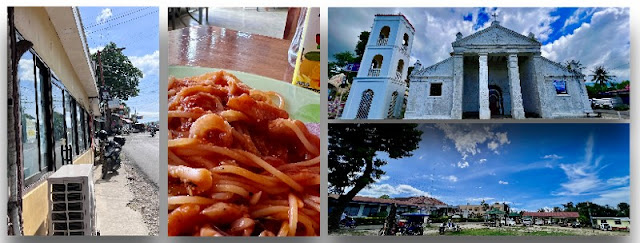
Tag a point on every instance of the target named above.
point(116, 17)
point(124, 22)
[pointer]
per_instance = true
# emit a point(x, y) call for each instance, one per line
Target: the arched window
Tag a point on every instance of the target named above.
point(376, 65)
point(399, 69)
point(405, 40)
point(392, 105)
point(365, 104)
point(383, 38)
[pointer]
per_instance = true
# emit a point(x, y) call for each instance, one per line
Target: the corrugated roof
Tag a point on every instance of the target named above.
point(553, 214)
point(376, 200)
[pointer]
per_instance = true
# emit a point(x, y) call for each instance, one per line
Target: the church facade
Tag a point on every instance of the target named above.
point(496, 73)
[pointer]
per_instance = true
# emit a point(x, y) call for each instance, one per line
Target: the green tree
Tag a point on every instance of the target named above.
point(353, 163)
point(622, 85)
point(119, 73)
point(385, 196)
point(363, 39)
point(484, 205)
point(624, 210)
point(569, 207)
point(341, 60)
point(601, 76)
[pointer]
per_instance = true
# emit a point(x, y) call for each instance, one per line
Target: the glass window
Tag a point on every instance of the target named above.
point(69, 117)
point(57, 104)
point(41, 83)
point(618, 222)
point(436, 89)
point(28, 115)
point(561, 86)
point(87, 129)
point(79, 128)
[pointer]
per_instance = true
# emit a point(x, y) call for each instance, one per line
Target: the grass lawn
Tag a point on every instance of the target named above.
point(508, 232)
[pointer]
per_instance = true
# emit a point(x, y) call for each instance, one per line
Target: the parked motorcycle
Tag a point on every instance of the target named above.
point(152, 132)
point(348, 222)
point(111, 156)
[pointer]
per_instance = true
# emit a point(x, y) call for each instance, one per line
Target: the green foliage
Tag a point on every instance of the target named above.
point(369, 220)
point(353, 148)
point(342, 59)
point(363, 38)
point(621, 107)
point(601, 76)
point(622, 85)
point(58, 125)
point(382, 214)
point(507, 232)
point(119, 73)
point(385, 196)
point(574, 65)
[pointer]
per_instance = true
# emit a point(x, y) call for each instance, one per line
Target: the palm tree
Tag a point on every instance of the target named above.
point(601, 76)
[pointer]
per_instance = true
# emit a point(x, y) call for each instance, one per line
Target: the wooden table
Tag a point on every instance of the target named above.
point(215, 47)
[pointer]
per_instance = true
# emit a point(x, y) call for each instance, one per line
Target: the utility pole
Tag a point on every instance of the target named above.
point(107, 118)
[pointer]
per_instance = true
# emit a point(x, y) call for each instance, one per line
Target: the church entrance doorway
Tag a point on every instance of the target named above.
point(496, 101)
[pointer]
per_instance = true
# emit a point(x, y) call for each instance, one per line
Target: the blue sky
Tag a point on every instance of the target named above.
point(136, 29)
point(594, 36)
point(529, 166)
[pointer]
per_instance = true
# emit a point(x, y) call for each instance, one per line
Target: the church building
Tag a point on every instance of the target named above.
point(496, 73)
point(493, 73)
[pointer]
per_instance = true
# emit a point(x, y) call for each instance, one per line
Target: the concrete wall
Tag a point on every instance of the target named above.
point(34, 25)
point(422, 106)
point(530, 94)
point(573, 104)
point(471, 94)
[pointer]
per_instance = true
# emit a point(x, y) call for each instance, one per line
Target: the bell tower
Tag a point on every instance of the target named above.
point(378, 90)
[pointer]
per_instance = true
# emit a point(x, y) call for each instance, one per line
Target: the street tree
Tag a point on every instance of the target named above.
point(385, 196)
point(601, 76)
point(624, 209)
point(363, 39)
point(120, 75)
point(353, 157)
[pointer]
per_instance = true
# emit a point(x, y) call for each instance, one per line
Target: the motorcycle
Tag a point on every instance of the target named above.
point(152, 132)
point(111, 155)
point(348, 223)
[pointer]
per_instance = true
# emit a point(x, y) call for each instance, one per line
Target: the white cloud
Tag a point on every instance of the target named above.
point(383, 178)
point(376, 190)
point(480, 199)
point(95, 49)
point(104, 15)
point(603, 41)
point(25, 70)
point(501, 182)
point(618, 181)
point(420, 158)
point(584, 179)
point(149, 64)
point(552, 156)
point(452, 178)
point(482, 161)
point(467, 137)
point(614, 197)
point(465, 164)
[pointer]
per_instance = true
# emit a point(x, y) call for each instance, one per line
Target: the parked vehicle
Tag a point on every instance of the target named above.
point(510, 222)
point(152, 132)
point(575, 224)
point(527, 222)
point(348, 222)
point(605, 103)
point(605, 227)
point(111, 156)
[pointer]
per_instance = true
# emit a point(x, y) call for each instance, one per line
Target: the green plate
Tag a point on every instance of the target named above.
point(302, 104)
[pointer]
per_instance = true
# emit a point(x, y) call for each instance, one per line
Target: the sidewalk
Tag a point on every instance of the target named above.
point(113, 197)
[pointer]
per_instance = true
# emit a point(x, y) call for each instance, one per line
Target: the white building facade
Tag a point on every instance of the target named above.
point(496, 73)
point(378, 90)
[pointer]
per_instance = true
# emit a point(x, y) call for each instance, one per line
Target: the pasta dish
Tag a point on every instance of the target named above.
point(238, 165)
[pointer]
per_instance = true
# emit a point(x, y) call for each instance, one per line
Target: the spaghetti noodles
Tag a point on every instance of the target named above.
point(238, 166)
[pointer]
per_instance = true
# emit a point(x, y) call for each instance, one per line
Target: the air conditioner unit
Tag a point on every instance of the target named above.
point(72, 207)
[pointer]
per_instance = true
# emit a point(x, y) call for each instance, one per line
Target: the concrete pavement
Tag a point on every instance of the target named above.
point(114, 217)
point(142, 149)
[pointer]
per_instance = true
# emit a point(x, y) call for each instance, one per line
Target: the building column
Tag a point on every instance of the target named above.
point(361, 210)
point(458, 82)
point(517, 110)
point(483, 87)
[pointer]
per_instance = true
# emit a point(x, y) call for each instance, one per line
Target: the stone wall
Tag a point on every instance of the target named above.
point(530, 94)
point(422, 106)
point(574, 103)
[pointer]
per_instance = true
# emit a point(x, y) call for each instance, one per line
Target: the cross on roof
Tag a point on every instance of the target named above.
point(495, 16)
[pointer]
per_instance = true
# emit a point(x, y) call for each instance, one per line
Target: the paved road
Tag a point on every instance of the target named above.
point(142, 149)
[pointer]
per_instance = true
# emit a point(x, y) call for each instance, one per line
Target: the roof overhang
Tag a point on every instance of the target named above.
point(68, 26)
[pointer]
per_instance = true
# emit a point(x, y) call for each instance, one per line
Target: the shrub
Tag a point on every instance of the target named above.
point(621, 107)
